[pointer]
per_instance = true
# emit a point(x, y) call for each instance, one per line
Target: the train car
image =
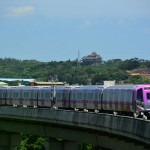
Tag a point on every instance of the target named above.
point(63, 96)
point(86, 97)
point(126, 98)
point(25, 96)
point(118, 98)
point(3, 95)
point(45, 96)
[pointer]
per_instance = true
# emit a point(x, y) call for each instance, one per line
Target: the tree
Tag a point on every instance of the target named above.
point(32, 142)
point(130, 64)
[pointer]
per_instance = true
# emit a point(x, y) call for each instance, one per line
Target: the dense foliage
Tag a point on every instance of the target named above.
point(69, 72)
point(32, 142)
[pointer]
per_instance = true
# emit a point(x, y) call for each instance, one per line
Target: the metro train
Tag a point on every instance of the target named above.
point(121, 99)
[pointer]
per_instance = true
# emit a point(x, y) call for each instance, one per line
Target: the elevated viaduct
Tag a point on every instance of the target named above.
point(104, 130)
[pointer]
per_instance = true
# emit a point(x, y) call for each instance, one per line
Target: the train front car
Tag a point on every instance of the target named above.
point(142, 97)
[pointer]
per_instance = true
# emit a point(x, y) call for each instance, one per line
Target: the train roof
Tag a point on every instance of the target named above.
point(89, 87)
point(22, 87)
point(3, 87)
point(129, 87)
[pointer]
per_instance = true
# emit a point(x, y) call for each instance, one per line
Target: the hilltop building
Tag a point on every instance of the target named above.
point(15, 81)
point(140, 72)
point(92, 59)
point(48, 83)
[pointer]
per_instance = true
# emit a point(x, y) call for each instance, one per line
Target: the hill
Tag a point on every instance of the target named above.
point(69, 72)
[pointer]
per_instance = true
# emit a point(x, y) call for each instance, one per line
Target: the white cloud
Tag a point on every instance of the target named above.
point(121, 23)
point(130, 9)
point(19, 11)
point(87, 23)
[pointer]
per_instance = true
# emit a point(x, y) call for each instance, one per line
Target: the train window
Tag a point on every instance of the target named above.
point(96, 96)
point(129, 96)
point(47, 95)
point(79, 96)
point(110, 95)
point(42, 95)
point(90, 96)
point(116, 93)
point(122, 96)
point(66, 95)
point(140, 95)
point(9, 94)
point(119, 95)
point(148, 96)
point(21, 94)
point(74, 95)
point(33, 95)
point(105, 95)
point(84, 95)
point(1, 95)
point(26, 95)
point(15, 94)
point(58, 95)
point(63, 96)
point(71, 96)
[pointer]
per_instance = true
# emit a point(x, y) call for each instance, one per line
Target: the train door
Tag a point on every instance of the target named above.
point(139, 99)
point(140, 95)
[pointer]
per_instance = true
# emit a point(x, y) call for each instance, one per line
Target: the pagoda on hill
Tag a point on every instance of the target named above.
point(92, 59)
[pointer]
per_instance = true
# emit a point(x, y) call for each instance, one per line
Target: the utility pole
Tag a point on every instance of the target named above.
point(53, 96)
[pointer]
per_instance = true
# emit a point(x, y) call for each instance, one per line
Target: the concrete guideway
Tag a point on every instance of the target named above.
point(104, 130)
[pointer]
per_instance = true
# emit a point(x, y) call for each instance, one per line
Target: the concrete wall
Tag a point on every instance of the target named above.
point(83, 127)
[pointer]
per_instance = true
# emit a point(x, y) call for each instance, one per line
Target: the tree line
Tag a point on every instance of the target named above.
point(68, 71)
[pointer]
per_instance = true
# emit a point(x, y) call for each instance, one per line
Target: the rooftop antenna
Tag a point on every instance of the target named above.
point(78, 61)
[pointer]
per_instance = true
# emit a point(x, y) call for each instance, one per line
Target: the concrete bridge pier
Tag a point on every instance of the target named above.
point(9, 141)
point(53, 144)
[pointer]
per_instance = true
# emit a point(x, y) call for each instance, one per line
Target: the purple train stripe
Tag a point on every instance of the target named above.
point(44, 100)
point(116, 103)
point(107, 91)
point(13, 99)
point(41, 100)
point(11, 90)
point(95, 102)
point(80, 91)
point(80, 101)
point(85, 102)
point(63, 101)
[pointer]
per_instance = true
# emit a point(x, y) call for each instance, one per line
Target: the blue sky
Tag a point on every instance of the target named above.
point(54, 30)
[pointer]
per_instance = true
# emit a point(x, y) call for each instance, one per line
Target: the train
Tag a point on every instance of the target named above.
point(117, 99)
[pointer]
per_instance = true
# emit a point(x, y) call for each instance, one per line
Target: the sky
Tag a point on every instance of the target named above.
point(55, 30)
